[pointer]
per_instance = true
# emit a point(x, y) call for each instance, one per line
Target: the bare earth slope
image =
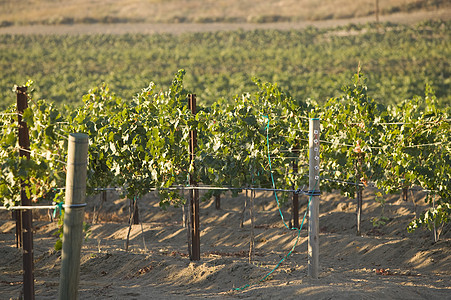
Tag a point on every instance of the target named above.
point(200, 11)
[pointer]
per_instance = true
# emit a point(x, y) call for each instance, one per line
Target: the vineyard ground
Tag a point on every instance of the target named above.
point(414, 267)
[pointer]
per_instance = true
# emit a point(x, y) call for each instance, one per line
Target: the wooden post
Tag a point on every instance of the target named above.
point(313, 223)
point(358, 194)
point(194, 194)
point(251, 215)
point(95, 215)
point(295, 204)
point(25, 235)
point(188, 213)
point(135, 211)
point(436, 235)
point(359, 209)
point(131, 221)
point(218, 201)
point(74, 213)
point(184, 210)
point(17, 216)
point(377, 11)
point(405, 194)
point(295, 209)
point(243, 211)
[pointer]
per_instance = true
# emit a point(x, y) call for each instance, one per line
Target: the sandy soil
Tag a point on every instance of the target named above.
point(146, 28)
point(157, 264)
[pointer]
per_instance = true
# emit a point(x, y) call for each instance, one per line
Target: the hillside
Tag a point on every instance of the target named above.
point(201, 11)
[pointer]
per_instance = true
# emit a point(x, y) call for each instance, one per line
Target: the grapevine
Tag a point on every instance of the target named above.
point(141, 143)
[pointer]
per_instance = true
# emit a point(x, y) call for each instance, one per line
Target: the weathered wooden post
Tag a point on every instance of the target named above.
point(313, 223)
point(25, 233)
point(295, 199)
point(194, 193)
point(251, 216)
point(74, 213)
point(358, 165)
point(218, 201)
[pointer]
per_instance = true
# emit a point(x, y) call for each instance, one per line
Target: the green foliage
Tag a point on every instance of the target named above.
point(381, 220)
point(139, 144)
point(60, 232)
point(310, 63)
point(404, 164)
point(235, 153)
point(142, 143)
point(44, 170)
point(351, 133)
point(433, 218)
point(396, 147)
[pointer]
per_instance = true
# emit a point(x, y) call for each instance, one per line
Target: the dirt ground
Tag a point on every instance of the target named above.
point(179, 28)
point(385, 262)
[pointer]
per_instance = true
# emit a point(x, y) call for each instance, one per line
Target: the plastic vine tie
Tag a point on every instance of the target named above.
point(59, 207)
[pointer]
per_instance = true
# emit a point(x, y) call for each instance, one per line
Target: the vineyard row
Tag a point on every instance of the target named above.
point(143, 143)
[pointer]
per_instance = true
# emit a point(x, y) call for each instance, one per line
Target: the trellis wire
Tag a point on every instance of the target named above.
point(11, 114)
point(32, 207)
point(281, 215)
point(381, 147)
point(29, 207)
point(299, 191)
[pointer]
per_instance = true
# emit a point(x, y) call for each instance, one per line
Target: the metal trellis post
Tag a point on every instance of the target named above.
point(313, 222)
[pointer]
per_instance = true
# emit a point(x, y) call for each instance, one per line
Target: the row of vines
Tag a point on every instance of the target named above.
point(309, 63)
point(142, 143)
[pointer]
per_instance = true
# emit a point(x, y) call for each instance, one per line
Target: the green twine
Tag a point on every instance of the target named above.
point(59, 207)
point(281, 215)
point(272, 177)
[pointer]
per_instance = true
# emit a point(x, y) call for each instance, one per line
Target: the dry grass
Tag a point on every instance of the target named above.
point(202, 11)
